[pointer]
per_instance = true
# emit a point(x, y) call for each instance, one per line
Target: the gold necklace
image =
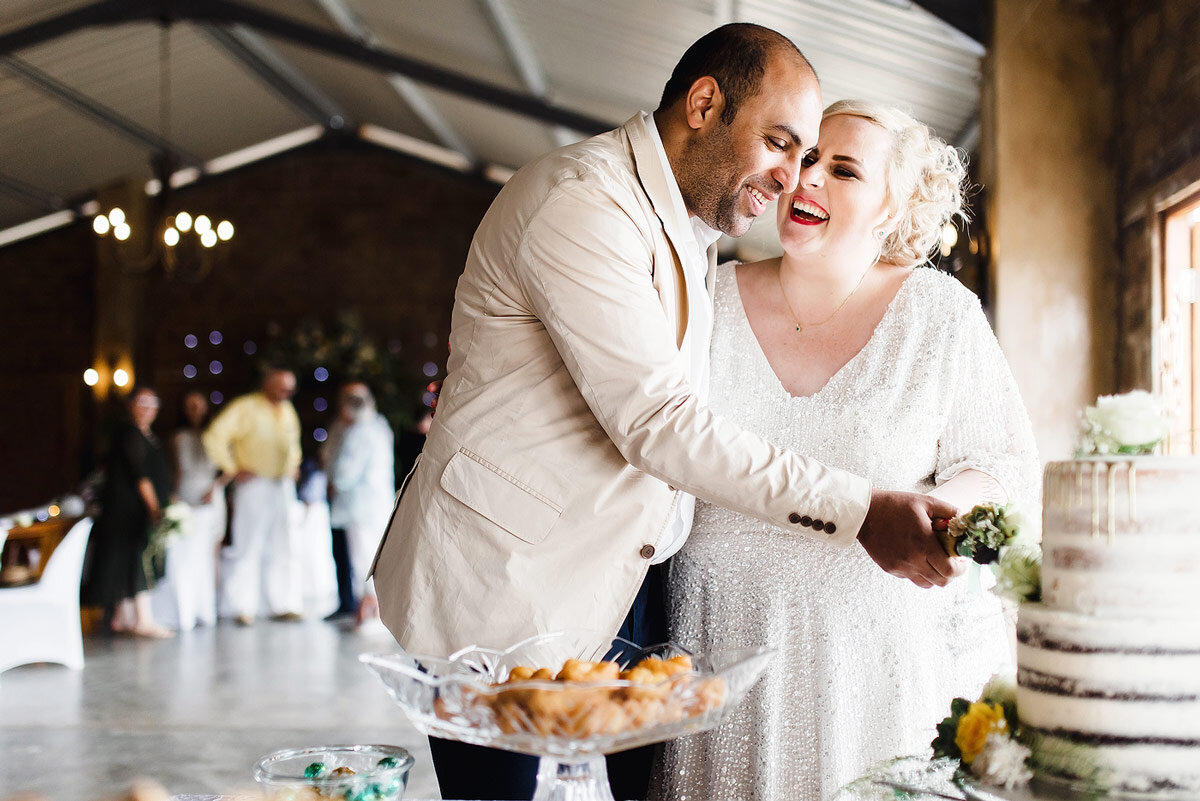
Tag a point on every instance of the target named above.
point(800, 326)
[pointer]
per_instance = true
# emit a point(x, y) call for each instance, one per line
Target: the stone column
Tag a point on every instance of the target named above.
point(1048, 121)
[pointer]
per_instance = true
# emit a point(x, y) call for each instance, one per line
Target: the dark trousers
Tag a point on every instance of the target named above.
point(341, 563)
point(471, 771)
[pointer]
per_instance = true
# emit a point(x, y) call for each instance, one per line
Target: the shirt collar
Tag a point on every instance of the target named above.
point(702, 233)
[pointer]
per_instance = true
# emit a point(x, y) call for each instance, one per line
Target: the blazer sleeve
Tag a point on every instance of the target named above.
point(586, 268)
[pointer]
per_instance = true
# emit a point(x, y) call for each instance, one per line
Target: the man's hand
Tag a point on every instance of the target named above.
point(898, 535)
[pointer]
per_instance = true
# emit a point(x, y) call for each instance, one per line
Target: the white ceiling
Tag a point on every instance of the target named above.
point(606, 59)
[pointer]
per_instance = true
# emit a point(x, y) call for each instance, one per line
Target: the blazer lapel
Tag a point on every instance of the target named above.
point(656, 183)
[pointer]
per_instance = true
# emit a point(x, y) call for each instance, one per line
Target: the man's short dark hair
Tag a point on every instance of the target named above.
point(735, 56)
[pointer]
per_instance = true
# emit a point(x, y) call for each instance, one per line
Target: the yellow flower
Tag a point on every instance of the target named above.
point(974, 727)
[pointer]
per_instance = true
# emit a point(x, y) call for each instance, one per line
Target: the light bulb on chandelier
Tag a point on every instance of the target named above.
point(149, 236)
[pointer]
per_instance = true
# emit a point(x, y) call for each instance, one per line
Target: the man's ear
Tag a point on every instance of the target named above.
point(703, 103)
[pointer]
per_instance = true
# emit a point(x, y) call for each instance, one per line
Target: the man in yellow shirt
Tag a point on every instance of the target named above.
point(256, 439)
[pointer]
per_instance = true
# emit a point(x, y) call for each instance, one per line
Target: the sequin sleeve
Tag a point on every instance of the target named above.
point(987, 428)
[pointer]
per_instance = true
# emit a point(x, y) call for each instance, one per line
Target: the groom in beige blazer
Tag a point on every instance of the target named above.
point(571, 435)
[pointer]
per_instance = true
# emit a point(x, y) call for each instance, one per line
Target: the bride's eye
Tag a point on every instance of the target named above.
point(845, 173)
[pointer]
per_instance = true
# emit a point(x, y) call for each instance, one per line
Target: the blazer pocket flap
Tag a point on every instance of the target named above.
point(518, 509)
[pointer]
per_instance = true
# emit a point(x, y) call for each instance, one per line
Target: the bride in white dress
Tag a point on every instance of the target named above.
point(846, 351)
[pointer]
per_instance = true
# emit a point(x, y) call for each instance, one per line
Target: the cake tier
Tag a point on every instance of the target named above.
point(1125, 690)
point(1122, 536)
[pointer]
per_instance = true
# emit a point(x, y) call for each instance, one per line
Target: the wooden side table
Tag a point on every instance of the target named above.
point(43, 537)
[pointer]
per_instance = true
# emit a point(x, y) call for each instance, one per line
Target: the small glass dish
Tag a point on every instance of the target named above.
point(320, 773)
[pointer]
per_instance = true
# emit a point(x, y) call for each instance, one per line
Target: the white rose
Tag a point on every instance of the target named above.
point(1001, 689)
point(1132, 420)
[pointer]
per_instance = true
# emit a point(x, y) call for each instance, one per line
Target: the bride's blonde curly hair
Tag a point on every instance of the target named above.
point(925, 181)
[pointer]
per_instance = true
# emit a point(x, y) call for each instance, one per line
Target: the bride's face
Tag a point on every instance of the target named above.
point(841, 199)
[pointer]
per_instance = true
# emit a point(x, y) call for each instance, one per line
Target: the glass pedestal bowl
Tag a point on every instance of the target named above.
point(571, 725)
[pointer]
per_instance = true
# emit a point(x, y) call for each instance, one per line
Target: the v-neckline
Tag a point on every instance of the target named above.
point(770, 368)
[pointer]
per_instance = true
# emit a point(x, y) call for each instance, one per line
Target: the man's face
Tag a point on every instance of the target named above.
point(729, 174)
point(279, 386)
point(353, 400)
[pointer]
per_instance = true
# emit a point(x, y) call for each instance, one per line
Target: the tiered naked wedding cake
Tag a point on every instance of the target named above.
point(1109, 660)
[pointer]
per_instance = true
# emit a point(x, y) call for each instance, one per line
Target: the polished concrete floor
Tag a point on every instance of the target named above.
point(195, 712)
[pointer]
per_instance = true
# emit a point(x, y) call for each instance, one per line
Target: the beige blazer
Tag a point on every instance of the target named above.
point(566, 426)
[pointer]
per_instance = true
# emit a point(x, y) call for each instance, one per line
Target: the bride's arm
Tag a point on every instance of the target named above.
point(969, 488)
point(986, 451)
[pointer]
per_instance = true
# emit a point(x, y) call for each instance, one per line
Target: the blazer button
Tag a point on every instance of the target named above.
point(830, 528)
point(794, 518)
point(647, 551)
point(819, 525)
point(806, 521)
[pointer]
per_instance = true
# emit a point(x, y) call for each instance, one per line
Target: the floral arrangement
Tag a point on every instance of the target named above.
point(346, 351)
point(1018, 572)
point(990, 534)
point(983, 736)
point(980, 533)
point(1131, 424)
point(176, 522)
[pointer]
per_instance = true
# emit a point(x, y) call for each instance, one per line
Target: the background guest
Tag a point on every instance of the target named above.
point(359, 460)
point(136, 488)
point(256, 439)
point(187, 594)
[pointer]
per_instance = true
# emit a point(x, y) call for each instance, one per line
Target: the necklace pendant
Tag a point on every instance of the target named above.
point(797, 329)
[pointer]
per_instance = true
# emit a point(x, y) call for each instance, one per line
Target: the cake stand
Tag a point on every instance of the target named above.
point(569, 725)
point(919, 778)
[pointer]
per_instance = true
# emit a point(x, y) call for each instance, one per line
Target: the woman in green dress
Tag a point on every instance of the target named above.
point(137, 487)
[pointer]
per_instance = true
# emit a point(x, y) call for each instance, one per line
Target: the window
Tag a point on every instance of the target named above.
point(1179, 325)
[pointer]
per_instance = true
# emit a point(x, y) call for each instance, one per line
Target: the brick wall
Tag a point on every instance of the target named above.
point(318, 232)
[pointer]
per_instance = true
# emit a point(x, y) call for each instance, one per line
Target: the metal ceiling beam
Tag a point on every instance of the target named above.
point(113, 12)
point(420, 104)
point(969, 17)
point(97, 112)
point(524, 59)
point(30, 194)
point(279, 74)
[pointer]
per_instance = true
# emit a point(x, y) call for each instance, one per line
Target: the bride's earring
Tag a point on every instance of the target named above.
point(880, 233)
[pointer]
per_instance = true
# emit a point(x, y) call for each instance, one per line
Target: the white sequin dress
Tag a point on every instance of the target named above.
point(867, 663)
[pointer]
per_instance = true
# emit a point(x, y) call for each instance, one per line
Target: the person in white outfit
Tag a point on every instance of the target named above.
point(359, 460)
point(256, 439)
point(187, 594)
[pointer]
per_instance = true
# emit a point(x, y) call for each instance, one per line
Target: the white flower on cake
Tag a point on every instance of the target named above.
point(1000, 689)
point(1129, 424)
point(1002, 762)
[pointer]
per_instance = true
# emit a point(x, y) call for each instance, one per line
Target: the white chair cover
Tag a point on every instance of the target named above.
point(40, 622)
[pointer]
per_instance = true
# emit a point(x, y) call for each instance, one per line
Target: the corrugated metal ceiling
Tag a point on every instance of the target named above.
point(606, 60)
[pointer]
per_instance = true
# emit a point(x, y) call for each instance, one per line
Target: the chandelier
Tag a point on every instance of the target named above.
point(184, 243)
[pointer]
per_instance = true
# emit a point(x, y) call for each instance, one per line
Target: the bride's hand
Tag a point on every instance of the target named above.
point(898, 534)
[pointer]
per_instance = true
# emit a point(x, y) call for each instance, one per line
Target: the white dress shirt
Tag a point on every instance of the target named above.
point(694, 349)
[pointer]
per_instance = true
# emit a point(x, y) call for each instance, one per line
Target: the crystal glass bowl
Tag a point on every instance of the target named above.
point(570, 724)
point(320, 773)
